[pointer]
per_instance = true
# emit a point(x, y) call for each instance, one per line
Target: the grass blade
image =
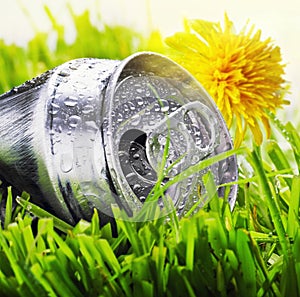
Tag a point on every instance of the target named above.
point(8, 208)
point(293, 213)
point(42, 213)
point(279, 159)
point(268, 195)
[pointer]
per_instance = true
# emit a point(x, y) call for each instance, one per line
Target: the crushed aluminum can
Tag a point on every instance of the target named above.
point(97, 133)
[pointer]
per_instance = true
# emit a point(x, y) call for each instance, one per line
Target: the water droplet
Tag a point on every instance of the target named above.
point(198, 142)
point(174, 108)
point(74, 121)
point(136, 187)
point(135, 120)
point(71, 101)
point(56, 122)
point(91, 125)
point(120, 117)
point(73, 67)
point(90, 98)
point(173, 92)
point(164, 105)
point(136, 156)
point(87, 109)
point(227, 146)
point(125, 108)
point(150, 175)
point(131, 105)
point(195, 159)
point(56, 137)
point(151, 122)
point(54, 108)
point(133, 149)
point(130, 175)
point(156, 107)
point(173, 172)
point(66, 163)
point(162, 139)
point(181, 206)
point(64, 73)
point(79, 85)
point(139, 101)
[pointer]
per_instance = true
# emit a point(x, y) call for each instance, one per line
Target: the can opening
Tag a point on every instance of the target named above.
point(158, 116)
point(134, 163)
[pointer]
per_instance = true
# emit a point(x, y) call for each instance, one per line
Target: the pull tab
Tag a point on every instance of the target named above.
point(192, 135)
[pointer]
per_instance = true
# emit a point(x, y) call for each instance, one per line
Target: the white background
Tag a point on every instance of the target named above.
point(279, 20)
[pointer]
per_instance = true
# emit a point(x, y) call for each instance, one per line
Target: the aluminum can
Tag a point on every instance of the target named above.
point(108, 134)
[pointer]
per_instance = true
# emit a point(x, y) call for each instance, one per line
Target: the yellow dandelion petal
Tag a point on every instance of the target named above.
point(241, 72)
point(240, 132)
point(234, 95)
point(256, 132)
point(266, 124)
point(227, 110)
point(239, 124)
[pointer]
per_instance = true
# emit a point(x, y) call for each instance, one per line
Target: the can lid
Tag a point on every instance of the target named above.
point(159, 121)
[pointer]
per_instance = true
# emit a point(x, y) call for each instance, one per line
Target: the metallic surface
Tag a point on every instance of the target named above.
point(95, 133)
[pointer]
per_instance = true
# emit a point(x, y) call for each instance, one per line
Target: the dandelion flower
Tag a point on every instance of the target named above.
point(241, 72)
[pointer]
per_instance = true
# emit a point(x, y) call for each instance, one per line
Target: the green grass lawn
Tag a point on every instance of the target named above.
point(253, 250)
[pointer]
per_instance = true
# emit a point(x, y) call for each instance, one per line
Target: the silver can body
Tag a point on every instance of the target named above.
point(98, 134)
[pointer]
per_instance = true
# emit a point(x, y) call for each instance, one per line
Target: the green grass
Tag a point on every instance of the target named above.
point(19, 64)
point(252, 251)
